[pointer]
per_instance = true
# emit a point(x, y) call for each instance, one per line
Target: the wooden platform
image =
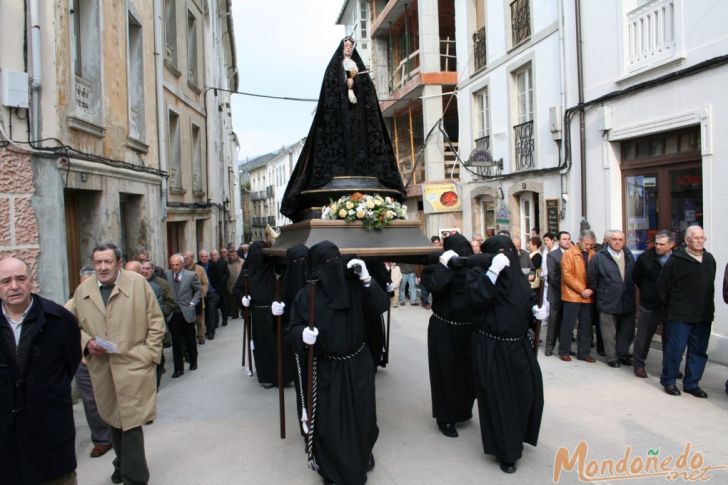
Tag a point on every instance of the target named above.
point(401, 241)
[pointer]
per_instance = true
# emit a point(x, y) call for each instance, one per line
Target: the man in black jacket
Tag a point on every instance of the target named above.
point(610, 276)
point(212, 298)
point(652, 311)
point(39, 352)
point(224, 274)
point(686, 286)
point(553, 276)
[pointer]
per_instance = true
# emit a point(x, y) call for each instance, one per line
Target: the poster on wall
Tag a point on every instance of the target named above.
point(636, 204)
point(441, 197)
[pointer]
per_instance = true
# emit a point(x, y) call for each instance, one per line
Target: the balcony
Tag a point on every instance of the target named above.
point(520, 22)
point(409, 67)
point(650, 34)
point(479, 58)
point(524, 144)
point(269, 191)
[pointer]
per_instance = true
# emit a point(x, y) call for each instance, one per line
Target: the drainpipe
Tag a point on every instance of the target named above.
point(582, 129)
point(159, 89)
point(36, 82)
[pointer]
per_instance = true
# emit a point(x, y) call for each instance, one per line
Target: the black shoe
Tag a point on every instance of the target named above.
point(116, 477)
point(414, 303)
point(507, 467)
point(626, 360)
point(370, 463)
point(572, 353)
point(166, 345)
point(603, 353)
point(680, 375)
point(193, 366)
point(224, 324)
point(177, 374)
point(614, 363)
point(201, 341)
point(267, 385)
point(211, 337)
point(448, 429)
point(548, 352)
point(672, 390)
point(697, 392)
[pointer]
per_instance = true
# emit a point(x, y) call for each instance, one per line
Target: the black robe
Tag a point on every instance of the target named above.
point(448, 343)
point(376, 335)
point(261, 288)
point(508, 381)
point(345, 139)
point(345, 425)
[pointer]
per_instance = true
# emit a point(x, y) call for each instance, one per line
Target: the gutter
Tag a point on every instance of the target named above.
point(159, 90)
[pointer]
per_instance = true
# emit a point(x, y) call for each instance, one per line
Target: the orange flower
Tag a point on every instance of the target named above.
point(356, 196)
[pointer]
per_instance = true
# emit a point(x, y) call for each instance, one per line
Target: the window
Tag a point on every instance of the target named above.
point(192, 60)
point(482, 122)
point(652, 31)
point(86, 63)
point(479, 55)
point(364, 23)
point(196, 160)
point(135, 54)
point(523, 130)
point(174, 151)
point(520, 22)
point(170, 32)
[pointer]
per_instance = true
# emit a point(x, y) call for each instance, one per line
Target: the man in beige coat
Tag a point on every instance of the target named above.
point(122, 328)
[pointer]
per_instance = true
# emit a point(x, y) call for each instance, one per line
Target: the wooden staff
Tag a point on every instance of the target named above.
point(309, 370)
point(279, 360)
point(248, 330)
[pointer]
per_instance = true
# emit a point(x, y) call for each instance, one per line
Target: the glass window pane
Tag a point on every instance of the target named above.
point(640, 202)
point(671, 144)
point(686, 199)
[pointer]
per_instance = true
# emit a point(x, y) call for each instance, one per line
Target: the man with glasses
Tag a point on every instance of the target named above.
point(651, 310)
point(577, 299)
point(686, 285)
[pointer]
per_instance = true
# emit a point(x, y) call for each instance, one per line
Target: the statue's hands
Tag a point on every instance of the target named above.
point(350, 83)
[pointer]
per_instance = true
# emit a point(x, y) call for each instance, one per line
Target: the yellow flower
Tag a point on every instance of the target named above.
point(360, 213)
point(370, 204)
point(342, 213)
point(349, 205)
point(377, 202)
point(390, 215)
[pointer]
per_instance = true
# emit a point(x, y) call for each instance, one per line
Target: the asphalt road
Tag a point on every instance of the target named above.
point(218, 426)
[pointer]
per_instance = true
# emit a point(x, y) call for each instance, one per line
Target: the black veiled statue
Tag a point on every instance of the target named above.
point(348, 147)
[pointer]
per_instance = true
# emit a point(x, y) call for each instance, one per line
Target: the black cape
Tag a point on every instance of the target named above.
point(508, 381)
point(448, 344)
point(345, 139)
point(261, 288)
point(376, 335)
point(345, 427)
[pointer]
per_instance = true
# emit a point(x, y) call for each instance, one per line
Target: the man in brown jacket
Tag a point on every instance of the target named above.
point(577, 298)
point(122, 328)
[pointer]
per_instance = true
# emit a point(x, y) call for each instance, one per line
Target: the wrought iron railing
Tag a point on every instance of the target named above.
point(482, 143)
point(524, 144)
point(520, 21)
point(479, 58)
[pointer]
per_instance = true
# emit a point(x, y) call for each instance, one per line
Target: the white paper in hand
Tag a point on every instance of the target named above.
point(109, 347)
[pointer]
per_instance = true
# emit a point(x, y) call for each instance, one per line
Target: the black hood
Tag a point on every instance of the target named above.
point(327, 266)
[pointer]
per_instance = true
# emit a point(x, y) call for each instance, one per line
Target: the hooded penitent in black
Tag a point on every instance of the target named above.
point(345, 425)
point(258, 269)
point(448, 337)
point(508, 381)
point(345, 139)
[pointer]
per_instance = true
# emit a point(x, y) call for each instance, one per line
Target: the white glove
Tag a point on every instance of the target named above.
point(277, 308)
point(499, 262)
point(246, 301)
point(309, 336)
point(390, 287)
point(364, 274)
point(447, 256)
point(540, 313)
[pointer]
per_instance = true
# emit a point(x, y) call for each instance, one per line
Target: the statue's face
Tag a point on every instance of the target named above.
point(348, 48)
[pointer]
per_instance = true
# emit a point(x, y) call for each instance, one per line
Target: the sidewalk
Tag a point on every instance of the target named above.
point(218, 426)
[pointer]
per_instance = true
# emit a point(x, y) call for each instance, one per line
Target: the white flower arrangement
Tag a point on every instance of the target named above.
point(374, 211)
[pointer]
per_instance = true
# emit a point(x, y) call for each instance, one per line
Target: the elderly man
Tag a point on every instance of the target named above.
point(39, 353)
point(647, 269)
point(189, 264)
point(212, 297)
point(527, 266)
point(223, 273)
point(610, 276)
point(187, 292)
point(122, 329)
point(553, 278)
point(686, 285)
point(163, 293)
point(235, 265)
point(577, 298)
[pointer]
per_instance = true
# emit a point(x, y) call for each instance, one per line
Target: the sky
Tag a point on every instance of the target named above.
point(282, 48)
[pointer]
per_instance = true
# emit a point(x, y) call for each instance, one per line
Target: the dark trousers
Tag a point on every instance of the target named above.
point(211, 301)
point(573, 312)
point(100, 431)
point(130, 463)
point(223, 306)
point(183, 333)
point(556, 313)
point(695, 337)
point(234, 308)
point(617, 334)
point(646, 327)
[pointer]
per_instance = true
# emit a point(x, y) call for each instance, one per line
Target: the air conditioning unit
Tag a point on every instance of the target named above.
point(555, 122)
